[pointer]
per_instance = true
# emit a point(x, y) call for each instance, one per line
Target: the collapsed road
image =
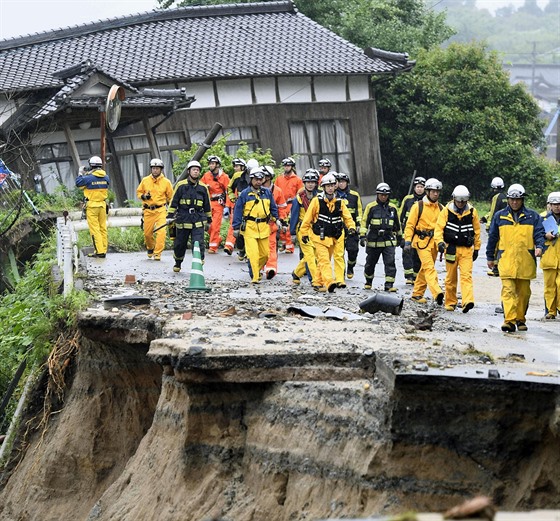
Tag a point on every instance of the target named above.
point(225, 405)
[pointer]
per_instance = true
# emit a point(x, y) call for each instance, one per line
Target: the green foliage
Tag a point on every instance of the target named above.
point(219, 149)
point(456, 117)
point(33, 315)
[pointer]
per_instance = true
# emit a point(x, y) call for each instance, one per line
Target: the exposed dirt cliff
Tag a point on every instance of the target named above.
point(213, 438)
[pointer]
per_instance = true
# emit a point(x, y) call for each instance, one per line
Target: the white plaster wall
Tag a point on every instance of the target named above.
point(295, 90)
point(234, 92)
point(265, 90)
point(330, 88)
point(203, 92)
point(358, 87)
point(7, 108)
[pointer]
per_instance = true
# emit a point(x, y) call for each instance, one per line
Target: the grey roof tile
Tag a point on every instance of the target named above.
point(260, 39)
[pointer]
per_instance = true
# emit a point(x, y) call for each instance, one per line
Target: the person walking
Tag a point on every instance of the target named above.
point(238, 182)
point(254, 209)
point(276, 227)
point(323, 224)
point(515, 240)
point(217, 182)
point(308, 261)
point(419, 234)
point(155, 191)
point(291, 184)
point(380, 233)
point(354, 205)
point(192, 214)
point(457, 234)
point(410, 260)
point(550, 261)
point(497, 203)
point(95, 186)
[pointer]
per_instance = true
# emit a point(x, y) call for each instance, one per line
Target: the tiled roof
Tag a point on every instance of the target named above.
point(191, 43)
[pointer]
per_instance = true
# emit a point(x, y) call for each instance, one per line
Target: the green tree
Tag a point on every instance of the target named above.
point(457, 118)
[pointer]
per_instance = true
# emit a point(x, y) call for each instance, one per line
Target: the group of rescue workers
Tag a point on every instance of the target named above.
point(324, 216)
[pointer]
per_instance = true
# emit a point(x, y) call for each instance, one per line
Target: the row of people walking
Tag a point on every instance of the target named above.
point(325, 217)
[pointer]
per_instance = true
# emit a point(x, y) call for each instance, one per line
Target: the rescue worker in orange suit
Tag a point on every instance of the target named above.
point(271, 267)
point(300, 204)
point(550, 261)
point(290, 184)
point(156, 192)
point(324, 224)
point(458, 235)
point(515, 239)
point(498, 202)
point(190, 207)
point(354, 205)
point(95, 185)
point(238, 182)
point(419, 234)
point(410, 260)
point(217, 182)
point(254, 209)
point(325, 166)
point(379, 234)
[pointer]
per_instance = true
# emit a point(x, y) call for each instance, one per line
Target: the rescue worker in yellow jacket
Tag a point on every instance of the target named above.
point(497, 203)
point(95, 185)
point(324, 224)
point(457, 234)
point(419, 234)
point(300, 204)
point(516, 238)
point(550, 261)
point(254, 209)
point(156, 192)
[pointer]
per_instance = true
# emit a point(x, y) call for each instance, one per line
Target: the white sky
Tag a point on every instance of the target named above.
point(22, 17)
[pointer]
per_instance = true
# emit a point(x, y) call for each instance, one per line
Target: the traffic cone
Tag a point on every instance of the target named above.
point(197, 275)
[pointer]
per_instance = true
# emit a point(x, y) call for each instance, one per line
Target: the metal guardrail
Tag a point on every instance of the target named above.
point(67, 238)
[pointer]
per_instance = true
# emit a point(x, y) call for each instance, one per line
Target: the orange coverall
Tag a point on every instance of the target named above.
point(217, 188)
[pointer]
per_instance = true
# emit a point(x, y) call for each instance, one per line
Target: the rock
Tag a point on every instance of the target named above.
point(493, 373)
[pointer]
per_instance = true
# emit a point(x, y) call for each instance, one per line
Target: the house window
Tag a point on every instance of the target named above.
point(235, 136)
point(314, 140)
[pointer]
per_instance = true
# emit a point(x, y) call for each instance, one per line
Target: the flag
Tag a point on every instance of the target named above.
point(5, 172)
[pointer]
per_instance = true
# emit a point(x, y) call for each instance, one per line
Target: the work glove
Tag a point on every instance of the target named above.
point(146, 197)
point(169, 221)
point(475, 255)
point(441, 247)
point(483, 219)
point(363, 242)
point(236, 233)
point(352, 232)
point(407, 246)
point(305, 239)
point(401, 244)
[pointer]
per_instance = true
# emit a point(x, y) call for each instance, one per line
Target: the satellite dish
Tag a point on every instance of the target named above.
point(113, 107)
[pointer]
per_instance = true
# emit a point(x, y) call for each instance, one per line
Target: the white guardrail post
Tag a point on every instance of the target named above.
point(67, 251)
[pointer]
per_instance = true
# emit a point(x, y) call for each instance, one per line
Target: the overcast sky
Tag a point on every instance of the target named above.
point(21, 17)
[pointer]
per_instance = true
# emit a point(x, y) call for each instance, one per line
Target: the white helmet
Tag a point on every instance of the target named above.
point(95, 161)
point(252, 163)
point(383, 188)
point(156, 162)
point(256, 173)
point(328, 179)
point(268, 171)
point(193, 163)
point(497, 182)
point(461, 193)
point(433, 184)
point(516, 191)
point(553, 198)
